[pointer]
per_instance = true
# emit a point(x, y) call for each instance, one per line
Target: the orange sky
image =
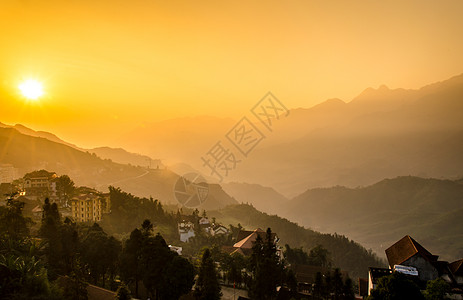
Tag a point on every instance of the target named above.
point(110, 65)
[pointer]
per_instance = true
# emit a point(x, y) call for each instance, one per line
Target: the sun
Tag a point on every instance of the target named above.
point(31, 89)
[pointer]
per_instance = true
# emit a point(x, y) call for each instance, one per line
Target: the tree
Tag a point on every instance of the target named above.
point(337, 284)
point(123, 293)
point(23, 277)
point(99, 253)
point(436, 289)
point(265, 267)
point(318, 286)
point(319, 256)
point(148, 258)
point(207, 284)
point(12, 222)
point(396, 286)
point(130, 265)
point(178, 278)
point(155, 259)
point(74, 288)
point(65, 187)
point(348, 289)
point(50, 231)
point(296, 256)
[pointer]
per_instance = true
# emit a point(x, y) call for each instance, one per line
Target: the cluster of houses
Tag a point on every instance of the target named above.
point(186, 228)
point(85, 205)
point(407, 256)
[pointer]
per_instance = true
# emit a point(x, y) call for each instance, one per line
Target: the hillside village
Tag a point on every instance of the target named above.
point(307, 274)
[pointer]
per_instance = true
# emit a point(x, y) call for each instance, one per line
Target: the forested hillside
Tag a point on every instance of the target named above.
point(430, 210)
point(345, 254)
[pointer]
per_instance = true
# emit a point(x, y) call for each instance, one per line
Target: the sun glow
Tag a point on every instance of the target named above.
point(31, 89)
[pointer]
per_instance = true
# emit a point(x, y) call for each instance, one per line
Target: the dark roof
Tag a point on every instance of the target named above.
point(457, 267)
point(406, 248)
point(228, 249)
point(41, 173)
point(377, 273)
point(306, 273)
point(98, 293)
point(243, 234)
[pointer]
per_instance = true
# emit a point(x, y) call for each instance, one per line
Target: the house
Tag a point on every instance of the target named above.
point(218, 229)
point(204, 221)
point(457, 270)
point(98, 293)
point(374, 274)
point(409, 257)
point(408, 252)
point(245, 241)
point(86, 208)
point(363, 287)
point(30, 207)
point(176, 249)
point(305, 276)
point(40, 185)
point(186, 231)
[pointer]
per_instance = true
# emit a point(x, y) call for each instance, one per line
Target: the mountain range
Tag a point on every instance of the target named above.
point(323, 167)
point(27, 153)
point(430, 210)
point(381, 133)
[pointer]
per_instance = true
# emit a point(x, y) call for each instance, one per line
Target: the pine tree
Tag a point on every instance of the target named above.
point(266, 268)
point(207, 285)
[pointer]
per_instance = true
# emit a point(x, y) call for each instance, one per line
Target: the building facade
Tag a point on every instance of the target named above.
point(86, 208)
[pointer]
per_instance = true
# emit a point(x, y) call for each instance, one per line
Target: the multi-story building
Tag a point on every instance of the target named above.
point(86, 208)
point(40, 185)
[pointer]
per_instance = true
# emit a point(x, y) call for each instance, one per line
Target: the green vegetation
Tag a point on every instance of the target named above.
point(266, 268)
point(344, 253)
point(436, 289)
point(332, 284)
point(147, 257)
point(396, 286)
point(127, 211)
point(207, 286)
point(430, 210)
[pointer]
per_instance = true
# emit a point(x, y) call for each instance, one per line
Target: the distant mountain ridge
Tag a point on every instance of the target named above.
point(28, 153)
point(377, 215)
point(265, 199)
point(381, 133)
point(118, 155)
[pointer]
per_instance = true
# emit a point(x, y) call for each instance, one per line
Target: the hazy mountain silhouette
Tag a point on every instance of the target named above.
point(118, 155)
point(122, 156)
point(381, 133)
point(42, 134)
point(177, 140)
point(28, 153)
point(378, 215)
point(265, 199)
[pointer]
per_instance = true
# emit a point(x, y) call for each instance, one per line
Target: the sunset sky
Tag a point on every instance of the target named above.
point(110, 66)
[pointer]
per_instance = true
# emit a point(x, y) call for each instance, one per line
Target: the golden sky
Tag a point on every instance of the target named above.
point(111, 65)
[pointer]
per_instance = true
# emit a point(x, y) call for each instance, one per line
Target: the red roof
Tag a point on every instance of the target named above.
point(405, 249)
point(457, 267)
